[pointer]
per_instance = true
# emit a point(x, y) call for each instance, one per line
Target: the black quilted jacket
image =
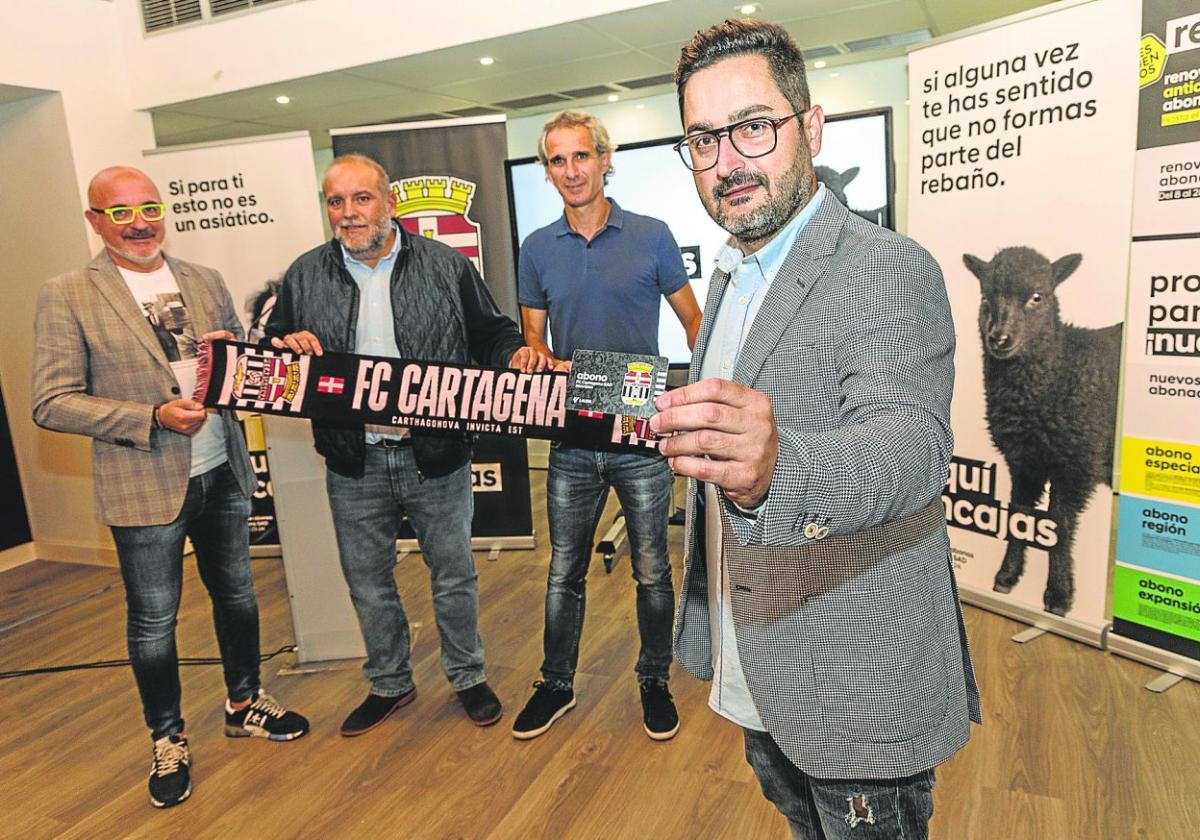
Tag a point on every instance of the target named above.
point(443, 312)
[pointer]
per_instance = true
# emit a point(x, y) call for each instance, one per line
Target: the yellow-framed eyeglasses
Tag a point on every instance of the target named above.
point(123, 214)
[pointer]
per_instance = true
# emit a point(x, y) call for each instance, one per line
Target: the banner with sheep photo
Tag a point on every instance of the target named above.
point(1156, 587)
point(1021, 164)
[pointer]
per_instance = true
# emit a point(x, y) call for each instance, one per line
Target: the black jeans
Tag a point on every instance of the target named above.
point(840, 809)
point(214, 515)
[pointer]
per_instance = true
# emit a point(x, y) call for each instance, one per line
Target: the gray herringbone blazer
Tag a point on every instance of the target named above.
point(98, 370)
point(844, 602)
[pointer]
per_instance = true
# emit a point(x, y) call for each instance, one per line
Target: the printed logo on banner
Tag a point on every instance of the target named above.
point(436, 207)
point(262, 380)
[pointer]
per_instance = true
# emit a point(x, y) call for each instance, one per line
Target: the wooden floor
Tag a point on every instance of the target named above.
point(1072, 746)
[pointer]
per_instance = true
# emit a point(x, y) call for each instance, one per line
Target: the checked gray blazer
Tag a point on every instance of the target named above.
point(844, 602)
point(99, 371)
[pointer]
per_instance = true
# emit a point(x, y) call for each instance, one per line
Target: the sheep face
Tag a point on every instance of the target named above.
point(1017, 306)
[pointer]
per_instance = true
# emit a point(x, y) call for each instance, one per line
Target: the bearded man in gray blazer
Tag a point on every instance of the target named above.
point(818, 594)
point(116, 360)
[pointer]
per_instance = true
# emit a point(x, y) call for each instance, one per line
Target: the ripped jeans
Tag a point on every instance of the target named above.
point(840, 809)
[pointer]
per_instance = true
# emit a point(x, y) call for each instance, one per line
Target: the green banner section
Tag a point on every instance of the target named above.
point(1163, 603)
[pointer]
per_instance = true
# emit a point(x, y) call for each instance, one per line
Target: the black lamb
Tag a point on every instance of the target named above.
point(836, 182)
point(1051, 391)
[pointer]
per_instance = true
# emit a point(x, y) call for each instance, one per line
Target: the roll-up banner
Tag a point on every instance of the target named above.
point(449, 183)
point(1021, 165)
point(1156, 588)
point(246, 208)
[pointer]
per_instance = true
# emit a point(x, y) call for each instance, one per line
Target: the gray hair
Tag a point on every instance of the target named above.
point(385, 182)
point(577, 119)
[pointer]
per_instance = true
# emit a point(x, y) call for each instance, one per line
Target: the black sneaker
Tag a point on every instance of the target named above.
point(264, 718)
point(544, 707)
point(373, 711)
point(659, 718)
point(170, 771)
point(481, 703)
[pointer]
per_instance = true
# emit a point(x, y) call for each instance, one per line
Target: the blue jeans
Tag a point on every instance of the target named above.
point(840, 809)
point(576, 490)
point(214, 514)
point(367, 513)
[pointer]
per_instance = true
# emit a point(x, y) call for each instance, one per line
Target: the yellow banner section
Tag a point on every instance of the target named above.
point(1161, 469)
point(255, 441)
point(1181, 117)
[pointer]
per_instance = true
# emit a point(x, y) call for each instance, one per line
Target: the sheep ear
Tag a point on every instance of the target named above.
point(975, 265)
point(1064, 267)
point(848, 175)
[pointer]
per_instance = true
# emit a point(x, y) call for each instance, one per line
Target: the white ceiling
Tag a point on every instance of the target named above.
point(601, 51)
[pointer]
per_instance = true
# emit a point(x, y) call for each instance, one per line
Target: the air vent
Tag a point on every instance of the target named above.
point(474, 111)
point(163, 14)
point(531, 101)
point(820, 52)
point(901, 39)
point(649, 81)
point(585, 92)
point(224, 7)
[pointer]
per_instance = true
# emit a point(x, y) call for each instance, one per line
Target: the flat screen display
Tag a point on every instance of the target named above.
point(649, 178)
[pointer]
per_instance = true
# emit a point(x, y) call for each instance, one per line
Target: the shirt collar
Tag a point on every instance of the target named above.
point(389, 257)
point(616, 219)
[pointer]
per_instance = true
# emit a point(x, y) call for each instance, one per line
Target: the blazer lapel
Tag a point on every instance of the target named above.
point(194, 298)
point(802, 269)
point(716, 287)
point(104, 274)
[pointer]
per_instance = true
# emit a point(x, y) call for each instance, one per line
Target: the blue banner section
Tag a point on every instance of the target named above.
point(1159, 536)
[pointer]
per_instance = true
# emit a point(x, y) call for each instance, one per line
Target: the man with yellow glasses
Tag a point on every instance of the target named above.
point(116, 361)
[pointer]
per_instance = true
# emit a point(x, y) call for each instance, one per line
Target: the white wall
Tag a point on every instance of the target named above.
point(874, 84)
point(50, 146)
point(317, 36)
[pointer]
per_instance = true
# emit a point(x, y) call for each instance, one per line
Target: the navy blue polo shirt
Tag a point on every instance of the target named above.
point(604, 294)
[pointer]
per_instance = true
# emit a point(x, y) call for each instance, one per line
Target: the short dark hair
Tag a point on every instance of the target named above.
point(747, 37)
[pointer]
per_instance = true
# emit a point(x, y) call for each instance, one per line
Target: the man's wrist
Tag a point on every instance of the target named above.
point(155, 419)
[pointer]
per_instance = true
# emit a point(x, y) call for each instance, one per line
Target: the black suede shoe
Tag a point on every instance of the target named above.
point(373, 711)
point(481, 703)
point(659, 718)
point(544, 707)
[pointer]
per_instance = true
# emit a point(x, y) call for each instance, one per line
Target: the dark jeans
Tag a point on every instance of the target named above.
point(576, 490)
point(841, 809)
point(367, 513)
point(214, 516)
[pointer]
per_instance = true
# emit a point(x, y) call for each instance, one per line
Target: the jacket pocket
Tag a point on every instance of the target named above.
point(879, 659)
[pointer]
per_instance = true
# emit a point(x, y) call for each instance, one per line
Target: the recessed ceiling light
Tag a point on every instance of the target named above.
point(834, 75)
point(487, 61)
point(612, 97)
point(748, 9)
point(283, 100)
point(818, 64)
point(640, 105)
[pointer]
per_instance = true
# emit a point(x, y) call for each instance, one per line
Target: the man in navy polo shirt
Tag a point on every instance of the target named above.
point(597, 274)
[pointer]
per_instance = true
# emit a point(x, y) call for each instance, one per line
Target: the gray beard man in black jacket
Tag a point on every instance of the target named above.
point(377, 290)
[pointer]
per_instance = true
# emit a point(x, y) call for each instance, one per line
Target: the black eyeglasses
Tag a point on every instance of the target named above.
point(751, 138)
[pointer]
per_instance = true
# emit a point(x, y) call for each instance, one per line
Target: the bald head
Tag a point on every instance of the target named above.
point(113, 177)
point(136, 246)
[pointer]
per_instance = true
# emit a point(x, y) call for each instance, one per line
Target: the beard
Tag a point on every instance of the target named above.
point(140, 257)
point(368, 242)
point(793, 190)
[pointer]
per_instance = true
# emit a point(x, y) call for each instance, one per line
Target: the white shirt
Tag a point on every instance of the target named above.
point(157, 294)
